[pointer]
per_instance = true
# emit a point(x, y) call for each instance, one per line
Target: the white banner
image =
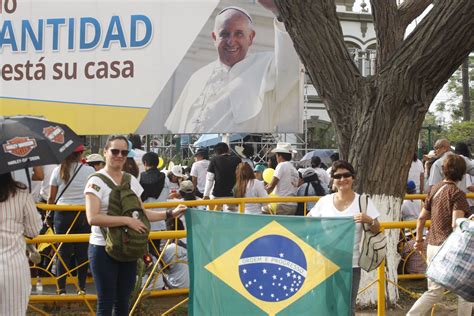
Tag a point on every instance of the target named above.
point(95, 65)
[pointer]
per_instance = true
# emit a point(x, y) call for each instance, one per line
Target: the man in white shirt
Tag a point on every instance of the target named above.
point(240, 91)
point(284, 182)
point(442, 150)
point(199, 170)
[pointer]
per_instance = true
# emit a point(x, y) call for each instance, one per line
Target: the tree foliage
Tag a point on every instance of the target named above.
point(453, 106)
point(461, 132)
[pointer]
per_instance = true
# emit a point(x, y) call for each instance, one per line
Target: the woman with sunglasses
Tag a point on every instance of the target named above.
point(114, 280)
point(345, 203)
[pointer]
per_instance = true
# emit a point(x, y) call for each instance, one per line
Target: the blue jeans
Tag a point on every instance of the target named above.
point(114, 281)
point(62, 222)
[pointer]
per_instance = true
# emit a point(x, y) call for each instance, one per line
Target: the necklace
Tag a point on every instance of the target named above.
point(343, 203)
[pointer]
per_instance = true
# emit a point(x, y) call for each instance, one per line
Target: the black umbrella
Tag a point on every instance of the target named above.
point(29, 141)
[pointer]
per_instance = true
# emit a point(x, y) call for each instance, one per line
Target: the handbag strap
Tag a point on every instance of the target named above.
point(363, 202)
point(68, 183)
point(439, 191)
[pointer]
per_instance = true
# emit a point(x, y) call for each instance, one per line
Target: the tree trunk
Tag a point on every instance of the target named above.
point(378, 119)
point(466, 95)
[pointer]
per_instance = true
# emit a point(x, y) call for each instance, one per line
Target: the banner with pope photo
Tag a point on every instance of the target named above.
point(240, 75)
point(269, 265)
point(95, 65)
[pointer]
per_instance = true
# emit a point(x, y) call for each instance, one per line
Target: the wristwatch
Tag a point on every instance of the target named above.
point(169, 214)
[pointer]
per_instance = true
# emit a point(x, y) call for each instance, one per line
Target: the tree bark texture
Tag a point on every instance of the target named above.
point(378, 118)
point(466, 91)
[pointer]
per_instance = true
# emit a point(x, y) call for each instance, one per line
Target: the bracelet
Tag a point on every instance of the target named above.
point(373, 222)
point(169, 214)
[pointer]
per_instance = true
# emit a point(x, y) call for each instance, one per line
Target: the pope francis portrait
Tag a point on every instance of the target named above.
point(242, 91)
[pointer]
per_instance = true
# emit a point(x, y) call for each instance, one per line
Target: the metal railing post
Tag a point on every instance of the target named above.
point(381, 288)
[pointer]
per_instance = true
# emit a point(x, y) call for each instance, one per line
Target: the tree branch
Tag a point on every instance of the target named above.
point(411, 9)
point(387, 28)
point(433, 51)
point(317, 36)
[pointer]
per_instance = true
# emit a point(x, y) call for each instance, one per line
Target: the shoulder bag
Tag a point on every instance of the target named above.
point(373, 247)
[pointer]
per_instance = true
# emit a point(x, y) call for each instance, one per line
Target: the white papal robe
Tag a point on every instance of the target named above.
point(261, 93)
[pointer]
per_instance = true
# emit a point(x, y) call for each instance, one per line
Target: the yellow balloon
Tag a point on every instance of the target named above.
point(161, 162)
point(273, 206)
point(267, 175)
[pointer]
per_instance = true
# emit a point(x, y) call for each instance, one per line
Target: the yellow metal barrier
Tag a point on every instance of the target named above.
point(68, 238)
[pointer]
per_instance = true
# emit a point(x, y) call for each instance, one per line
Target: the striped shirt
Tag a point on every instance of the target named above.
point(18, 218)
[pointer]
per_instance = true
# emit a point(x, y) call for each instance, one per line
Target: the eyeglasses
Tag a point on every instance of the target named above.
point(116, 152)
point(343, 175)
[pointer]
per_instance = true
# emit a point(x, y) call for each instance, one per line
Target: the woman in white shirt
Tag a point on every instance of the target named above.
point(114, 280)
point(67, 185)
point(345, 203)
point(248, 186)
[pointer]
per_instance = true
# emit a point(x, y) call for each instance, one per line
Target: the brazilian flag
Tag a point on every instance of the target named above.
point(269, 265)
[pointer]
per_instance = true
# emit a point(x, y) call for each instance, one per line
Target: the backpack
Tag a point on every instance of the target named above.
point(153, 182)
point(319, 191)
point(122, 243)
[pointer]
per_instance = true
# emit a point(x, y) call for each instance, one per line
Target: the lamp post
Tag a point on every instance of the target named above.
point(429, 128)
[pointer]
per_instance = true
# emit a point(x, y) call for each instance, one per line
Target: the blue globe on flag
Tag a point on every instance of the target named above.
point(272, 268)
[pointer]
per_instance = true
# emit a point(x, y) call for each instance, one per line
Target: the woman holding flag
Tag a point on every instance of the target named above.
point(345, 203)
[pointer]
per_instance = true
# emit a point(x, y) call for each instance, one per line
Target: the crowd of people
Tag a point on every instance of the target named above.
point(221, 175)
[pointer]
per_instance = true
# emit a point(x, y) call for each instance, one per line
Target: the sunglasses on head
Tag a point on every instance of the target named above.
point(342, 175)
point(116, 152)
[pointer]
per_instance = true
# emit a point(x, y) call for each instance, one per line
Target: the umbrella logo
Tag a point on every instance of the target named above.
point(20, 146)
point(55, 134)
